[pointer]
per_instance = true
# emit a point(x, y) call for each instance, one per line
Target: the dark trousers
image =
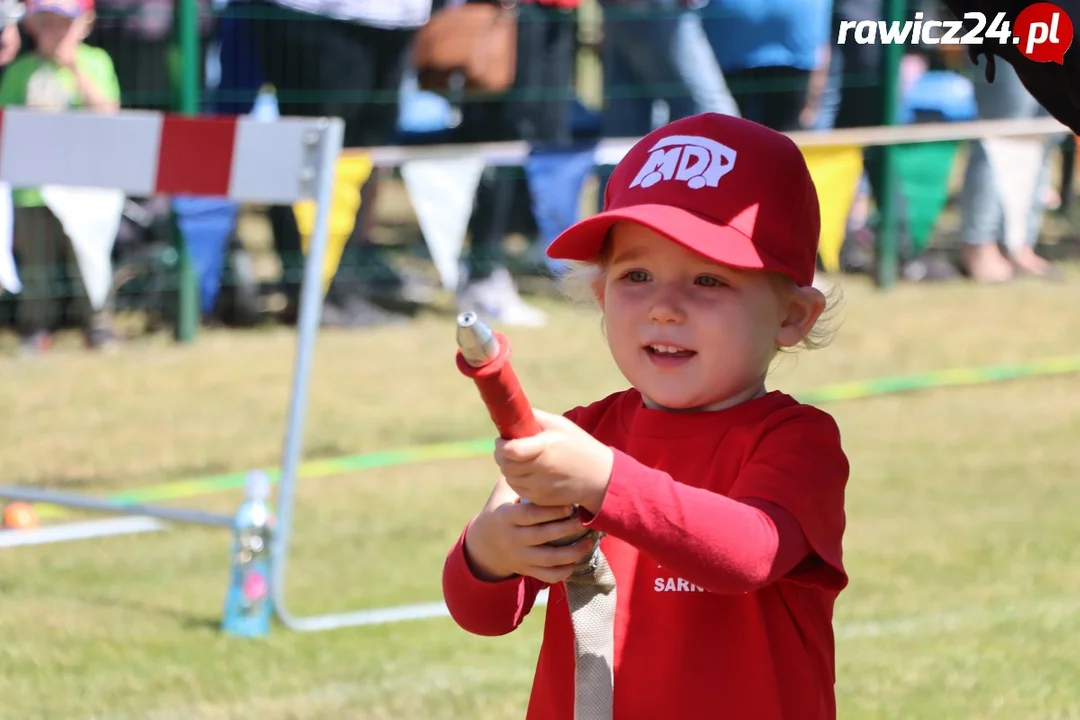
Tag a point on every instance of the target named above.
point(772, 96)
point(536, 109)
point(49, 271)
point(325, 67)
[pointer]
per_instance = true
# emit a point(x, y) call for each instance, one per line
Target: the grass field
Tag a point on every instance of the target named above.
point(963, 544)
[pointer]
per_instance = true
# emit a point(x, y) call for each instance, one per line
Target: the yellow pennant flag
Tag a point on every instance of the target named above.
point(836, 172)
point(350, 174)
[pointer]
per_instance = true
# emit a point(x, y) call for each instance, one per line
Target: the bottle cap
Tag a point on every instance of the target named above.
point(258, 485)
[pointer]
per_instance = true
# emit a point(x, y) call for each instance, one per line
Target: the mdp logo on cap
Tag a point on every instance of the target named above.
point(697, 161)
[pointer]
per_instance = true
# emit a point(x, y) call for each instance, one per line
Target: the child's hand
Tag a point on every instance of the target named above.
point(68, 47)
point(10, 42)
point(563, 465)
point(510, 538)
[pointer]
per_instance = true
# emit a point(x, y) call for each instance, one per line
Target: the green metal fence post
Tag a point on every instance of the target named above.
point(187, 20)
point(885, 270)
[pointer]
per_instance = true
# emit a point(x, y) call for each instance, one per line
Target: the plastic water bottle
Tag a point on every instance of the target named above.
point(265, 107)
point(248, 602)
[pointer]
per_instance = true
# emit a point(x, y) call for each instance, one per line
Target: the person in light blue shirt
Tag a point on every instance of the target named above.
point(769, 51)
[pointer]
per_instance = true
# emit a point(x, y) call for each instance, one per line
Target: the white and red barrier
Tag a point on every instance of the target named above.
point(145, 153)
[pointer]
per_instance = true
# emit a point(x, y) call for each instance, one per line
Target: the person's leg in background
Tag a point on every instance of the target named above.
point(749, 87)
point(37, 245)
point(378, 280)
point(536, 110)
point(629, 96)
point(783, 102)
point(981, 221)
point(50, 274)
point(982, 217)
point(657, 51)
point(317, 67)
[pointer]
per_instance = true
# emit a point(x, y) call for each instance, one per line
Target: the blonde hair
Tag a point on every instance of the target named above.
point(581, 282)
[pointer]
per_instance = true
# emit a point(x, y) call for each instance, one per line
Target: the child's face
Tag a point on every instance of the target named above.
point(725, 324)
point(51, 29)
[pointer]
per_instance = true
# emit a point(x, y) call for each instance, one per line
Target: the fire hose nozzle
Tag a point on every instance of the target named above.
point(476, 339)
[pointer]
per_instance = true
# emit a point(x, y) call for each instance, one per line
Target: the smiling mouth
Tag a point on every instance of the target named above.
point(668, 351)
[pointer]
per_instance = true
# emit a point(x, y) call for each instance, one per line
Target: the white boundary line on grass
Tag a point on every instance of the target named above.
point(79, 531)
point(897, 627)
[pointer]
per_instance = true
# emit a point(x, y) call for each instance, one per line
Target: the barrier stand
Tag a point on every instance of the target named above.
point(144, 153)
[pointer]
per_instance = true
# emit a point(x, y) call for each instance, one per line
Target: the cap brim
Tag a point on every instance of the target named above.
point(722, 244)
point(55, 9)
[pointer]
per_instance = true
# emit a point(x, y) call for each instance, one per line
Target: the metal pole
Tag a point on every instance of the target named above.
point(311, 299)
point(887, 254)
point(187, 295)
point(81, 502)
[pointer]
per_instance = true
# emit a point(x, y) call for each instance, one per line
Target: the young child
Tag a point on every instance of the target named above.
point(62, 73)
point(721, 503)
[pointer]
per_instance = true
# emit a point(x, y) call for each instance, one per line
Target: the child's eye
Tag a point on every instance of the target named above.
point(709, 281)
point(637, 276)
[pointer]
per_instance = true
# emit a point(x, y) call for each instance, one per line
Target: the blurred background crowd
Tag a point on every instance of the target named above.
point(582, 70)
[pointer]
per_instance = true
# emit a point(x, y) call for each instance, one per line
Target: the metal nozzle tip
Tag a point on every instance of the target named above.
point(475, 339)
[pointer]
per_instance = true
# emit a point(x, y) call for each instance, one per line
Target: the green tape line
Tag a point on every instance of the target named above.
point(329, 467)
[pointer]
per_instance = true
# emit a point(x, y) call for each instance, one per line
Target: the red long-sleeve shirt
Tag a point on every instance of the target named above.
point(723, 530)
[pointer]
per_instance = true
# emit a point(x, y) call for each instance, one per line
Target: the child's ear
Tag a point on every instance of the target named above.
point(597, 286)
point(800, 310)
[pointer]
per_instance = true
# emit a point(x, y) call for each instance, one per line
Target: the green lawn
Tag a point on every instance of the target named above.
point(962, 545)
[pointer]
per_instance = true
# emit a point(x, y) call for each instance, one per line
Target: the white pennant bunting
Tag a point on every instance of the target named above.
point(442, 191)
point(9, 275)
point(1015, 163)
point(91, 218)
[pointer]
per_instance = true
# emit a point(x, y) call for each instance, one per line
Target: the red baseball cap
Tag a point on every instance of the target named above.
point(731, 190)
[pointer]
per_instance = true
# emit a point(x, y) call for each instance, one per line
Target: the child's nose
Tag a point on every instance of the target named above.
point(667, 306)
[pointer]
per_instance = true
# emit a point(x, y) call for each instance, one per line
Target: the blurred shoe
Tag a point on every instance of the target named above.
point(358, 313)
point(496, 299)
point(929, 267)
point(99, 335)
point(33, 344)
point(101, 338)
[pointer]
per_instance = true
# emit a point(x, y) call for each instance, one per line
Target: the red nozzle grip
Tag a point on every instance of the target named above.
point(501, 392)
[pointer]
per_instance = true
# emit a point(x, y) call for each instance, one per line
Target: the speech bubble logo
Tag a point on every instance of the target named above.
point(1043, 32)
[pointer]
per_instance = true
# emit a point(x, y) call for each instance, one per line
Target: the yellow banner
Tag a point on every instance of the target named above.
point(836, 172)
point(350, 174)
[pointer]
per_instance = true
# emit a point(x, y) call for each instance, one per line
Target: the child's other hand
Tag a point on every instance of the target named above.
point(563, 465)
point(510, 538)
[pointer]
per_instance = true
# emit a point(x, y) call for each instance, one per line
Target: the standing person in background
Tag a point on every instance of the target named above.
point(769, 52)
point(62, 73)
point(342, 59)
point(537, 109)
point(658, 50)
point(982, 224)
